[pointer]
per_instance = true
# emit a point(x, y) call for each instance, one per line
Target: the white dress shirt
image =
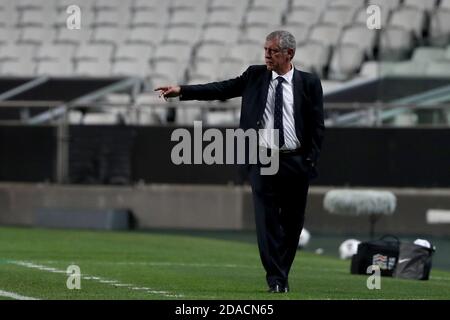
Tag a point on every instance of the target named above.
point(266, 137)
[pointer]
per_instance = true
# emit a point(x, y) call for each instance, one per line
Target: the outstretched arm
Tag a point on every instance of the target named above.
point(221, 90)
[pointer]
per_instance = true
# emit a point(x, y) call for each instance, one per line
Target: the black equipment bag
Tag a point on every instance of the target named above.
point(383, 253)
point(414, 262)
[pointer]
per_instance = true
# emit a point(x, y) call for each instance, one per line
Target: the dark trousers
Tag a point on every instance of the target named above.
point(279, 202)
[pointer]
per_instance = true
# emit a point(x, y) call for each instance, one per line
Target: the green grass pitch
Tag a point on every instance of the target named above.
point(136, 265)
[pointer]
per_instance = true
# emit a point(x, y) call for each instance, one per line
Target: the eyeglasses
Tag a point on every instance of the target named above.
point(272, 52)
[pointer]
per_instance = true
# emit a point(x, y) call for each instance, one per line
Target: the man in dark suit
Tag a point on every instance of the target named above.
point(275, 96)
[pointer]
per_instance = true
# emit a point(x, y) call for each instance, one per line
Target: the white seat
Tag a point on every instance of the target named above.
point(231, 68)
point(55, 52)
point(299, 31)
point(361, 16)
point(262, 17)
point(345, 62)
point(305, 16)
point(176, 52)
point(184, 34)
point(93, 68)
point(411, 19)
point(312, 56)
point(230, 17)
point(203, 69)
point(171, 69)
point(210, 52)
point(106, 18)
point(146, 35)
point(346, 3)
point(109, 35)
point(149, 18)
point(37, 36)
point(245, 51)
point(277, 6)
point(188, 4)
point(150, 5)
point(93, 52)
point(326, 34)
point(87, 19)
point(75, 37)
point(112, 5)
point(85, 5)
point(239, 5)
point(220, 34)
point(395, 43)
point(55, 68)
point(440, 28)
point(445, 4)
point(339, 16)
point(24, 5)
point(17, 52)
point(17, 68)
point(37, 18)
point(423, 5)
point(187, 17)
point(8, 35)
point(9, 18)
point(317, 4)
point(131, 68)
point(137, 52)
point(360, 36)
point(256, 34)
point(370, 69)
point(388, 4)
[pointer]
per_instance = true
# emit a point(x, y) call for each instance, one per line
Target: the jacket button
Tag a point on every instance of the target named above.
point(258, 123)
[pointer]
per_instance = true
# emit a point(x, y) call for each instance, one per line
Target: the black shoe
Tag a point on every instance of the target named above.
point(277, 288)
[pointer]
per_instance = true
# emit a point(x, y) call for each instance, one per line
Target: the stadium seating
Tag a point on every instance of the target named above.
point(184, 40)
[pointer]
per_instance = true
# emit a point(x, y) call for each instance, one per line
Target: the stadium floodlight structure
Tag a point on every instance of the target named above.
point(371, 203)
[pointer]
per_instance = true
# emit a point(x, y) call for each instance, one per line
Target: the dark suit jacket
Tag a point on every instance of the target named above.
point(253, 86)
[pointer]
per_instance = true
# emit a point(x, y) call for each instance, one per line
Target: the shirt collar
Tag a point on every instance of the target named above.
point(287, 76)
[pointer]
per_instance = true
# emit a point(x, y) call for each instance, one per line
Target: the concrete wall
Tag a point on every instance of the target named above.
point(213, 207)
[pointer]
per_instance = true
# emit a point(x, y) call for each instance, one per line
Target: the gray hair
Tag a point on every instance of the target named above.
point(287, 40)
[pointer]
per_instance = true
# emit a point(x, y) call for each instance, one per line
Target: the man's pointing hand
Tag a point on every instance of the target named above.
point(168, 92)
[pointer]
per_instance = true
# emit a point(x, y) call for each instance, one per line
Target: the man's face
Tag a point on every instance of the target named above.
point(276, 59)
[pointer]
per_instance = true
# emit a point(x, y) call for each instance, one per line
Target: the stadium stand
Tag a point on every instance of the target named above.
point(206, 40)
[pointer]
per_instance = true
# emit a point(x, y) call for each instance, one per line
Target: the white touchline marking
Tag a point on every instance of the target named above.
point(115, 283)
point(15, 296)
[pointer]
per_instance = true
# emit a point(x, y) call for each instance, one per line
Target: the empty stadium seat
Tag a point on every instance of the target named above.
point(303, 16)
point(130, 68)
point(188, 17)
point(220, 34)
point(345, 62)
point(339, 16)
point(210, 52)
point(203, 69)
point(152, 35)
point(408, 68)
point(171, 51)
point(36, 36)
point(150, 5)
point(440, 27)
point(231, 68)
point(444, 4)
point(229, 17)
point(395, 44)
point(55, 68)
point(361, 16)
point(409, 18)
point(149, 18)
point(360, 36)
point(93, 68)
point(107, 18)
point(346, 3)
point(55, 52)
point(136, 52)
point(93, 52)
point(274, 6)
point(424, 5)
point(255, 34)
point(188, 4)
point(246, 51)
point(171, 69)
point(24, 68)
point(299, 31)
point(327, 34)
point(312, 56)
point(239, 5)
point(319, 4)
point(8, 18)
point(74, 37)
point(188, 34)
point(369, 69)
point(262, 17)
point(17, 52)
point(389, 4)
point(8, 35)
point(109, 35)
point(37, 18)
